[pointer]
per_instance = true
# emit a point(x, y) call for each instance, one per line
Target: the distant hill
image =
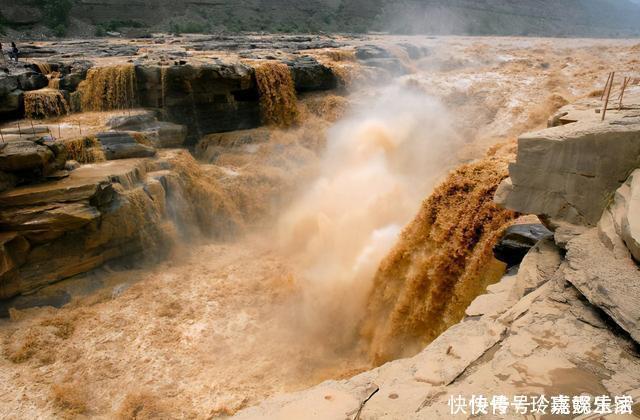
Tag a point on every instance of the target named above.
point(597, 18)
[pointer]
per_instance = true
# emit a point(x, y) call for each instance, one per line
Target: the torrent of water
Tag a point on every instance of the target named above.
point(278, 103)
point(378, 164)
point(84, 150)
point(442, 261)
point(45, 103)
point(107, 88)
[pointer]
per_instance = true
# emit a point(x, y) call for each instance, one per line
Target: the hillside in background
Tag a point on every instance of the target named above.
point(33, 18)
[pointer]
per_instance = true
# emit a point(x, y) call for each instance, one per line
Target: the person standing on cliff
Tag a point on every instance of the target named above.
point(15, 52)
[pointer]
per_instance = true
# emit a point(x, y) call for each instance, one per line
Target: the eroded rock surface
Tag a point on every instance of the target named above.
point(569, 172)
point(99, 212)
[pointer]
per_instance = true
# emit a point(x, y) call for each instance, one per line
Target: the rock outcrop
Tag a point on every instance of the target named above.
point(517, 241)
point(98, 213)
point(568, 173)
point(160, 133)
point(581, 178)
point(123, 145)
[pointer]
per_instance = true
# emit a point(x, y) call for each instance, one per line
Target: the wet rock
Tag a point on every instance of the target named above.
point(135, 122)
point(98, 213)
point(101, 212)
point(7, 181)
point(32, 81)
point(30, 51)
point(518, 240)
point(160, 133)
point(8, 83)
point(50, 221)
point(206, 99)
point(309, 75)
point(90, 182)
point(73, 74)
point(367, 52)
point(53, 298)
point(122, 145)
point(13, 251)
point(11, 97)
point(567, 173)
point(24, 155)
point(210, 147)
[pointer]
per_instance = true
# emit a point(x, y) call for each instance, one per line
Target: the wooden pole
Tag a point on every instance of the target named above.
point(59, 131)
point(19, 129)
point(606, 101)
point(606, 85)
point(32, 127)
point(2, 136)
point(624, 86)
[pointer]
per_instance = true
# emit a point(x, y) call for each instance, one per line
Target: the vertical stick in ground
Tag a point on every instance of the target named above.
point(606, 101)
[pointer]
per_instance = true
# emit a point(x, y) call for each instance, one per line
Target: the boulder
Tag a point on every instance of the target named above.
point(568, 173)
point(122, 145)
point(24, 155)
point(211, 146)
point(166, 134)
point(8, 83)
point(12, 103)
point(609, 282)
point(518, 240)
point(32, 81)
point(537, 267)
point(73, 74)
point(159, 133)
point(309, 75)
point(136, 122)
point(366, 52)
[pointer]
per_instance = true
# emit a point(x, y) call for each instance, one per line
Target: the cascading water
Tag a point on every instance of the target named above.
point(107, 88)
point(45, 103)
point(278, 102)
point(442, 261)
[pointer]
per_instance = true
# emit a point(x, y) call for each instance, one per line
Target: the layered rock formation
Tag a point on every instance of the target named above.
point(126, 197)
point(206, 98)
point(99, 212)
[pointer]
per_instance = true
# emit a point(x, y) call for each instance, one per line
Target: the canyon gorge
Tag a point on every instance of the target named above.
point(316, 226)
